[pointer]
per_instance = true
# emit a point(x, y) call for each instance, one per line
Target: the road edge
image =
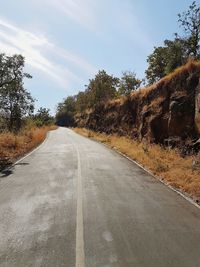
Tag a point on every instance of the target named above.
point(28, 154)
point(188, 198)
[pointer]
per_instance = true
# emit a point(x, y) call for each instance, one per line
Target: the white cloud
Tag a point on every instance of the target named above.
point(103, 17)
point(38, 51)
point(80, 11)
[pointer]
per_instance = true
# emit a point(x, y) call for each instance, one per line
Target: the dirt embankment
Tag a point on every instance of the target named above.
point(168, 112)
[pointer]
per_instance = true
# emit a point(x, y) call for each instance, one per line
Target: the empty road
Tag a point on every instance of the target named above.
point(74, 202)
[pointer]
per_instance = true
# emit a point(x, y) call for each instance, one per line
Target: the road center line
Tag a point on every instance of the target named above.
point(80, 255)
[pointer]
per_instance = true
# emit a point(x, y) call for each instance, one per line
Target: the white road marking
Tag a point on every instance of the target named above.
point(80, 254)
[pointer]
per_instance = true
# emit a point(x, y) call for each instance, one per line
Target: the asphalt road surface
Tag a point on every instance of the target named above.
point(74, 202)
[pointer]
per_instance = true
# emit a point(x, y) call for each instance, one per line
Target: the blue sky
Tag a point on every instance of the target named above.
point(66, 42)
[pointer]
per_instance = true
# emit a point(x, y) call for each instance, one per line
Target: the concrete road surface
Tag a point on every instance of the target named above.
point(73, 202)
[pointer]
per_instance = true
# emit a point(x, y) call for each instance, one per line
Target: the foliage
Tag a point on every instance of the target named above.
point(82, 101)
point(101, 88)
point(190, 21)
point(175, 53)
point(43, 117)
point(128, 83)
point(165, 59)
point(65, 112)
point(11, 69)
point(15, 100)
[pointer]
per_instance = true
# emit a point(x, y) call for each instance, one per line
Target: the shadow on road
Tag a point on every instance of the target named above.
point(7, 167)
point(5, 163)
point(22, 163)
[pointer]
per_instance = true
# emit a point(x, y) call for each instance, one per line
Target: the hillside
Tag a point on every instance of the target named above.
point(167, 112)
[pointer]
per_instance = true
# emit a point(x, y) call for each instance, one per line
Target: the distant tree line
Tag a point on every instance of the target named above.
point(16, 103)
point(101, 88)
point(163, 60)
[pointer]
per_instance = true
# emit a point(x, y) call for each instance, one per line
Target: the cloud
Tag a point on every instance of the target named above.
point(39, 51)
point(81, 12)
point(104, 18)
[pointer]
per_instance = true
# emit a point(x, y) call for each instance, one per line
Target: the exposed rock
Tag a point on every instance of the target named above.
point(168, 110)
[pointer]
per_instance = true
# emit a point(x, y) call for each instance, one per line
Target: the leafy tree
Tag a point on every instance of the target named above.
point(176, 54)
point(190, 21)
point(128, 83)
point(66, 111)
point(82, 101)
point(11, 69)
point(165, 59)
point(101, 88)
point(15, 101)
point(157, 62)
point(43, 117)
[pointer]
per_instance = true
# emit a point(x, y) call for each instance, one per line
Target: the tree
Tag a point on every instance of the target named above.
point(190, 21)
point(15, 100)
point(165, 59)
point(101, 88)
point(43, 117)
point(15, 103)
point(128, 83)
point(157, 62)
point(176, 54)
point(11, 69)
point(81, 101)
point(66, 111)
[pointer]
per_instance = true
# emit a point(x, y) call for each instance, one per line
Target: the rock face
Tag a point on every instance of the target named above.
point(168, 110)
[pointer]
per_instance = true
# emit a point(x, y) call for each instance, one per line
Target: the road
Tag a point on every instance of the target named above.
point(74, 202)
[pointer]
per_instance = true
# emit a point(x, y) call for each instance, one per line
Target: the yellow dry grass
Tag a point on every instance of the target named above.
point(167, 164)
point(190, 67)
point(13, 145)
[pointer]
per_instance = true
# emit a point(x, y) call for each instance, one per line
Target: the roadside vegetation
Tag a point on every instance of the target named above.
point(15, 145)
point(20, 128)
point(167, 164)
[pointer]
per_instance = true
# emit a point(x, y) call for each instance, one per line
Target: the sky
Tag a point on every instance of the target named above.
point(66, 42)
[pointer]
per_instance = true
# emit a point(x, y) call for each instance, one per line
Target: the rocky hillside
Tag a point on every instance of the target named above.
point(168, 112)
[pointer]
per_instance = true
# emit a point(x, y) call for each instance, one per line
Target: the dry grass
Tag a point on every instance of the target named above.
point(190, 67)
point(13, 146)
point(167, 164)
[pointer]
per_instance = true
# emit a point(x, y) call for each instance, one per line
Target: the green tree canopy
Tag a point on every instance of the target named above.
point(101, 88)
point(175, 53)
point(65, 112)
point(165, 59)
point(82, 103)
point(128, 83)
point(43, 117)
point(190, 21)
point(15, 100)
